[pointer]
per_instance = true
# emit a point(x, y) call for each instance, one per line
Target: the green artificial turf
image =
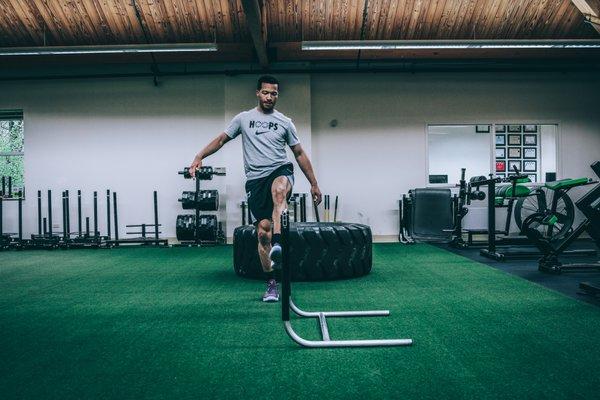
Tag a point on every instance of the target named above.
point(177, 323)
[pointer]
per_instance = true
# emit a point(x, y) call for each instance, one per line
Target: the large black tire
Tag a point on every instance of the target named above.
point(319, 251)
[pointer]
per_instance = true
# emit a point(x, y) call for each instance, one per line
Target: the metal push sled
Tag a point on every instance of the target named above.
point(287, 304)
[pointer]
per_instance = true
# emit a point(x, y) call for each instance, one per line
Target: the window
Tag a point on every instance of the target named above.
point(492, 148)
point(452, 147)
point(12, 148)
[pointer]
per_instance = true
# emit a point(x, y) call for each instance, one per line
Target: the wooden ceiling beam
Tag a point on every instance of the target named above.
point(590, 10)
point(594, 21)
point(588, 6)
point(255, 25)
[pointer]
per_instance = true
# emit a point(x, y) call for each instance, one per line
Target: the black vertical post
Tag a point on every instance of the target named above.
point(335, 209)
point(456, 212)
point(3, 186)
point(303, 208)
point(87, 226)
point(509, 212)
point(286, 285)
point(491, 215)
point(50, 212)
point(249, 215)
point(399, 219)
point(108, 213)
point(462, 192)
point(68, 213)
point(295, 208)
point(406, 222)
point(79, 211)
point(45, 226)
point(243, 213)
point(115, 212)
point(197, 206)
point(156, 215)
point(10, 186)
point(144, 230)
point(39, 212)
point(316, 211)
point(96, 214)
point(64, 215)
point(20, 217)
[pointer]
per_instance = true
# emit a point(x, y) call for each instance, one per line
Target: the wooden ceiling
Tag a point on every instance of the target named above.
point(290, 21)
point(283, 24)
point(86, 22)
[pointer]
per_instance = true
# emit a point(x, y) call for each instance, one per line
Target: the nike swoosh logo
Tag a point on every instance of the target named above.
point(260, 133)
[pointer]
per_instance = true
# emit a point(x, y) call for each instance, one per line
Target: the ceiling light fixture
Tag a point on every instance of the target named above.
point(109, 49)
point(449, 44)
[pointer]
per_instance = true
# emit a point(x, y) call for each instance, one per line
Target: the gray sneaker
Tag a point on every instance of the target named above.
point(275, 256)
point(272, 293)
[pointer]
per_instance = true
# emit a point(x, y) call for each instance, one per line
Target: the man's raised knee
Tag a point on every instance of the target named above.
point(264, 232)
point(279, 193)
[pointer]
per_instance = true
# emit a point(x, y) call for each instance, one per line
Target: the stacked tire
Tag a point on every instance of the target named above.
point(319, 251)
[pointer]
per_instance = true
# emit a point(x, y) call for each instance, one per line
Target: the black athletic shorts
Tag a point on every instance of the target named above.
point(258, 191)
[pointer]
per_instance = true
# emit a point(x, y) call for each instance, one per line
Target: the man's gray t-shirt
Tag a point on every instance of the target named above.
point(264, 138)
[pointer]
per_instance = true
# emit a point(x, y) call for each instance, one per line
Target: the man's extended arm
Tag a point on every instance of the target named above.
point(306, 167)
point(210, 148)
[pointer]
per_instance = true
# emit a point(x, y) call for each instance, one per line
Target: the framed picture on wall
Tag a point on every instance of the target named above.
point(514, 128)
point(532, 177)
point(530, 152)
point(529, 128)
point(514, 152)
point(500, 152)
point(500, 166)
point(500, 128)
point(530, 140)
point(514, 140)
point(529, 166)
point(500, 140)
point(482, 128)
point(513, 163)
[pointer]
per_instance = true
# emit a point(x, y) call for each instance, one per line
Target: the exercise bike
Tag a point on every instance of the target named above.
point(510, 193)
point(546, 227)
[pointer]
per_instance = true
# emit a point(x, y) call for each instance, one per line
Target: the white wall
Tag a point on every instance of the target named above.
point(548, 138)
point(132, 137)
point(378, 149)
point(129, 136)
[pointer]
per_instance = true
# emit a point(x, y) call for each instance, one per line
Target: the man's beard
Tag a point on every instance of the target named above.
point(267, 107)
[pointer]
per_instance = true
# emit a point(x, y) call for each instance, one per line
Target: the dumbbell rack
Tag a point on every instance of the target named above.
point(202, 174)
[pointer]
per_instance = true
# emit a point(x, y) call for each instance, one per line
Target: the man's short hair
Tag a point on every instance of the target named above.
point(266, 79)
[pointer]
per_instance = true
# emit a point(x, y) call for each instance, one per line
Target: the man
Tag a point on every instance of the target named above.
point(269, 173)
